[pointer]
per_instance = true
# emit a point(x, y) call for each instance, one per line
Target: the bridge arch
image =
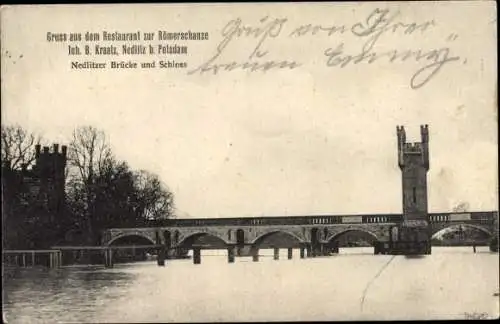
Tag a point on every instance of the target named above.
point(335, 236)
point(127, 237)
point(260, 239)
point(479, 228)
point(210, 238)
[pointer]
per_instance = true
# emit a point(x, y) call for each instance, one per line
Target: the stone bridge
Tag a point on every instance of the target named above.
point(314, 232)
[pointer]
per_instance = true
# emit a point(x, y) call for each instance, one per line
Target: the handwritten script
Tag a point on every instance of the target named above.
point(368, 34)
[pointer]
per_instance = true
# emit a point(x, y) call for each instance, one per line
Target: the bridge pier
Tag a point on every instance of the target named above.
point(302, 252)
point(255, 255)
point(379, 248)
point(230, 254)
point(290, 253)
point(196, 255)
point(108, 258)
point(161, 257)
point(308, 250)
point(276, 253)
point(334, 247)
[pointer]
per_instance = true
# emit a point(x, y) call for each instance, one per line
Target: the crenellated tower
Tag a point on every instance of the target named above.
point(34, 200)
point(413, 160)
point(50, 171)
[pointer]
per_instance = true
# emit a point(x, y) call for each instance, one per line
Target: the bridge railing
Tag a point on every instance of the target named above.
point(476, 217)
point(486, 218)
point(277, 220)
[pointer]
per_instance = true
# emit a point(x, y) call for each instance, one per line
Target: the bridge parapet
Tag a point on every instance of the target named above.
point(299, 227)
point(484, 221)
point(319, 219)
point(285, 220)
point(478, 217)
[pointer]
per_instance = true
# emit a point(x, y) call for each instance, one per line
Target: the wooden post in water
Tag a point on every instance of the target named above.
point(276, 253)
point(290, 253)
point(110, 253)
point(196, 255)
point(230, 254)
point(302, 252)
point(105, 258)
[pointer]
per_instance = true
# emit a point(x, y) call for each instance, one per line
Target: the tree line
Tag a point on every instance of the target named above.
point(101, 191)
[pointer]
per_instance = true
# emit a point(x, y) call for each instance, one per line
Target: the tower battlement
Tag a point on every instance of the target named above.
point(50, 163)
point(413, 152)
point(55, 150)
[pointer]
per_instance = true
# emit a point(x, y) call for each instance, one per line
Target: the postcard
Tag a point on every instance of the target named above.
point(249, 162)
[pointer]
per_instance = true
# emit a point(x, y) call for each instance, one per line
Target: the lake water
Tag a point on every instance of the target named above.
point(452, 283)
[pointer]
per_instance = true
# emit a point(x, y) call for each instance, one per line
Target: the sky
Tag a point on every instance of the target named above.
point(316, 139)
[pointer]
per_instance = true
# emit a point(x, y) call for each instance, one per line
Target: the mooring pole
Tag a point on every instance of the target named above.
point(111, 258)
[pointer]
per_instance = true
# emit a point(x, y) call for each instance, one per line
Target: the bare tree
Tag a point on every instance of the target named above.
point(89, 155)
point(461, 207)
point(18, 146)
point(155, 201)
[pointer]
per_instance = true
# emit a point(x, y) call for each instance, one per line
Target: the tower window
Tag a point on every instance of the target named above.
point(414, 195)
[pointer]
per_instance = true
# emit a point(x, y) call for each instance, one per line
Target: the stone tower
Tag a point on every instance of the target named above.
point(413, 160)
point(50, 170)
point(33, 200)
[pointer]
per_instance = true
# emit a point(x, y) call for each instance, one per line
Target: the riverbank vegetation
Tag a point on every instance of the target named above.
point(99, 191)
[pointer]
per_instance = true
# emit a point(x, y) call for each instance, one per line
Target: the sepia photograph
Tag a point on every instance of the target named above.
point(249, 162)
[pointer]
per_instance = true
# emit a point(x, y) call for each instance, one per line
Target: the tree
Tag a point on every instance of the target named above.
point(89, 155)
point(104, 192)
point(116, 197)
point(18, 146)
point(461, 207)
point(155, 201)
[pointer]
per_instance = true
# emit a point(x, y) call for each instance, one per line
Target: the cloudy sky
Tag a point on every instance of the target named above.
point(310, 140)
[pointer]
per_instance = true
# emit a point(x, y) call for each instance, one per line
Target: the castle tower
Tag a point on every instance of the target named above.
point(50, 169)
point(413, 160)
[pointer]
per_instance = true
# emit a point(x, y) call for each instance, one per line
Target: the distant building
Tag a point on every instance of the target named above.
point(33, 200)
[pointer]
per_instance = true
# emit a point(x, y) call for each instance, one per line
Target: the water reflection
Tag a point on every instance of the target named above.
point(450, 283)
point(68, 294)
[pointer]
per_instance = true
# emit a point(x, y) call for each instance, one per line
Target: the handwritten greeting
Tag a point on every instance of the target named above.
point(367, 32)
